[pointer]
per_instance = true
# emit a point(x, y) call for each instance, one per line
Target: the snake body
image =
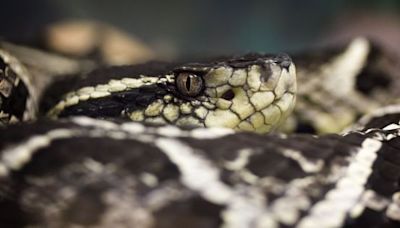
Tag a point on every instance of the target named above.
point(105, 170)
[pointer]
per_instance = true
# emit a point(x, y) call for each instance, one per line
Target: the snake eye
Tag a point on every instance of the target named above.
point(189, 84)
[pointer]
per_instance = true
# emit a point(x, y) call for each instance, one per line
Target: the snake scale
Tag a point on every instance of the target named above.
point(126, 146)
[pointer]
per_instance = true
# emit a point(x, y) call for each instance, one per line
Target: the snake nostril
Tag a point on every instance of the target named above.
point(228, 95)
point(283, 60)
point(285, 64)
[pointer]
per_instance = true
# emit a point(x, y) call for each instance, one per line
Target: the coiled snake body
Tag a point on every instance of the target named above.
point(103, 171)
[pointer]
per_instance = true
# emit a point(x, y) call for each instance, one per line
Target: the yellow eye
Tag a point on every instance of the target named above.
point(189, 84)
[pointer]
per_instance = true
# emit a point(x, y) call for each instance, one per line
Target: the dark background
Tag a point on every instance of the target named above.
point(209, 26)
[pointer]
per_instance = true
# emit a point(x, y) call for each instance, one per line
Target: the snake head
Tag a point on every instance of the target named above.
point(252, 93)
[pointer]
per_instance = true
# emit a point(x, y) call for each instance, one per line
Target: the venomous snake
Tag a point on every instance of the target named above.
point(104, 171)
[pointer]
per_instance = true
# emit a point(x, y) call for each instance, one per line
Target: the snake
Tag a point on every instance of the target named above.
point(242, 141)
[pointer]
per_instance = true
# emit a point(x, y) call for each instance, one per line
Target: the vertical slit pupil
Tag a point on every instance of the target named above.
point(188, 82)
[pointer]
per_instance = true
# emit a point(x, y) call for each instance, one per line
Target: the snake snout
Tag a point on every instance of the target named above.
point(283, 60)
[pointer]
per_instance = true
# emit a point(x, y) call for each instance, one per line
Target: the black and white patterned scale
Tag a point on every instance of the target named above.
point(83, 172)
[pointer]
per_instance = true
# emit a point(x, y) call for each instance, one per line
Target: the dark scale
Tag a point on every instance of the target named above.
point(196, 213)
point(55, 92)
point(14, 101)
point(382, 122)
point(386, 172)
point(101, 107)
point(3, 65)
point(117, 103)
point(370, 218)
point(373, 76)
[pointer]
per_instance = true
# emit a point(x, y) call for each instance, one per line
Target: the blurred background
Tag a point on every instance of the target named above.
point(208, 27)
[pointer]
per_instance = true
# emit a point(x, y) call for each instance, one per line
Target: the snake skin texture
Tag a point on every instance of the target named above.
point(85, 172)
point(338, 85)
point(18, 100)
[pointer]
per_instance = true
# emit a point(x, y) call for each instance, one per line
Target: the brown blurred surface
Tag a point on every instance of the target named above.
point(82, 38)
